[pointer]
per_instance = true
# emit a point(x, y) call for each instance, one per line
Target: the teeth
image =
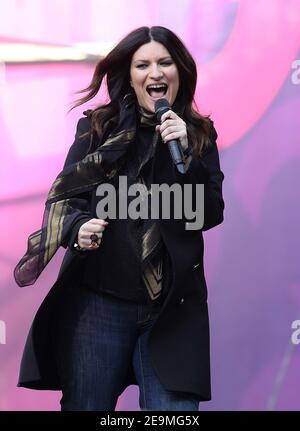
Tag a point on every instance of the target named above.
point(162, 87)
point(156, 86)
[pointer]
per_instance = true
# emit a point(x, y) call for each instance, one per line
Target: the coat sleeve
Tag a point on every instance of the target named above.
point(77, 152)
point(207, 171)
point(79, 148)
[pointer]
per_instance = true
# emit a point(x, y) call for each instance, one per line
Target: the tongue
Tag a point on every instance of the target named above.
point(155, 93)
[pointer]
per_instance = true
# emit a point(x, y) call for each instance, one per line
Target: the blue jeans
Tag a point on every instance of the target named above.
point(100, 337)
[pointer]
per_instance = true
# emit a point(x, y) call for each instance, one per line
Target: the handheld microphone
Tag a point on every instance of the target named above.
point(162, 106)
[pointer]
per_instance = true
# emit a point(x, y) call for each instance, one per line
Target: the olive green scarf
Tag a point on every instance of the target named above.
point(64, 205)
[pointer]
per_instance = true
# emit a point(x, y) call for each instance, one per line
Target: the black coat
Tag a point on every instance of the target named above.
point(179, 338)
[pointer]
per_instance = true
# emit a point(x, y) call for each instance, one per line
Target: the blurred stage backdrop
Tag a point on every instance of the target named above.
point(248, 58)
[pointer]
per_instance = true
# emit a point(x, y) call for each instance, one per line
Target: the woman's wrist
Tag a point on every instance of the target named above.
point(184, 142)
point(187, 162)
point(187, 152)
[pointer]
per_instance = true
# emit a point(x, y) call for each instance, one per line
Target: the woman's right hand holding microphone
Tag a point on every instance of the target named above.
point(90, 234)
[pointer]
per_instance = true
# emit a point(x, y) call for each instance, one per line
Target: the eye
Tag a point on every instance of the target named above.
point(141, 66)
point(167, 63)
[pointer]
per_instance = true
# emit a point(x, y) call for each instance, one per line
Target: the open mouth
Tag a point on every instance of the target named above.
point(156, 91)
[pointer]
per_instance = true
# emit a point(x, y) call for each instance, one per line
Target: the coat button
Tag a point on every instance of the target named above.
point(182, 301)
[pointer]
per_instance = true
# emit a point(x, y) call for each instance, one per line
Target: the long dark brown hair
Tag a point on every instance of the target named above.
point(115, 67)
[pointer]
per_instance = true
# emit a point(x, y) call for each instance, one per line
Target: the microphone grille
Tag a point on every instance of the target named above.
point(161, 103)
point(161, 106)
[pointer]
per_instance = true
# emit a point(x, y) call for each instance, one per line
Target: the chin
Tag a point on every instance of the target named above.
point(149, 106)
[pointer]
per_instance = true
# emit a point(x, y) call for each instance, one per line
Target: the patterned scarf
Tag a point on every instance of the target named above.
point(64, 205)
point(144, 235)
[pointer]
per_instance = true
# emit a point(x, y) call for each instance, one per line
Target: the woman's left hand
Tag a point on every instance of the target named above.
point(173, 127)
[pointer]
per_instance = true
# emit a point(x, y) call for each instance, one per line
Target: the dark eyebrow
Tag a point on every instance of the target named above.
point(160, 59)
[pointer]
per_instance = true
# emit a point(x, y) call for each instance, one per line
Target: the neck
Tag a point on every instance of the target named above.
point(147, 118)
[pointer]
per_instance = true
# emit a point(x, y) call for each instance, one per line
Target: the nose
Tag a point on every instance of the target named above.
point(155, 72)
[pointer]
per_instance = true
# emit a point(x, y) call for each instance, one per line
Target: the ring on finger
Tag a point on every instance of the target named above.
point(94, 245)
point(94, 240)
point(94, 237)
